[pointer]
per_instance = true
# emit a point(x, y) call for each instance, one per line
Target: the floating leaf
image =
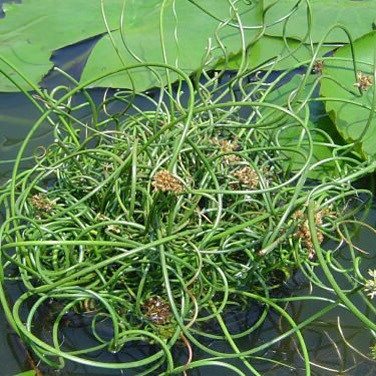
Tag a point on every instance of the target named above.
point(192, 32)
point(184, 34)
point(292, 137)
point(351, 109)
point(292, 133)
point(287, 53)
point(32, 30)
point(356, 16)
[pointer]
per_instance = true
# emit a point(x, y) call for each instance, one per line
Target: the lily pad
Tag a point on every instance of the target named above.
point(181, 33)
point(285, 53)
point(351, 110)
point(292, 135)
point(184, 34)
point(357, 16)
point(33, 29)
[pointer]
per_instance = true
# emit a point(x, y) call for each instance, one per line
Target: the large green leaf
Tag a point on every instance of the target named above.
point(321, 150)
point(351, 109)
point(189, 33)
point(177, 32)
point(356, 16)
point(32, 30)
point(286, 53)
point(292, 134)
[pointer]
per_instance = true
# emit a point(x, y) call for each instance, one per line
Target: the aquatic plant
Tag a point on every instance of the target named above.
point(152, 215)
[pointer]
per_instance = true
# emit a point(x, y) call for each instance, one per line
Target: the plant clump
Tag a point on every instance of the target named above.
point(153, 231)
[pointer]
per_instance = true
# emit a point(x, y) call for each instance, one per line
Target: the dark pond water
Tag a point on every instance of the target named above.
point(329, 354)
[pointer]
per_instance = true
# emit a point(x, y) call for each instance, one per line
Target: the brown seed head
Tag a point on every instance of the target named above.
point(114, 228)
point(247, 176)
point(42, 203)
point(164, 181)
point(231, 158)
point(101, 217)
point(227, 146)
point(298, 215)
point(108, 167)
point(318, 67)
point(303, 232)
point(364, 81)
point(157, 310)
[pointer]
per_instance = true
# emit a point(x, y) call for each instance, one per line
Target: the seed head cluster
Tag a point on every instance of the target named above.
point(227, 146)
point(114, 228)
point(41, 203)
point(370, 285)
point(373, 351)
point(318, 66)
point(303, 232)
point(157, 310)
point(364, 81)
point(247, 176)
point(164, 181)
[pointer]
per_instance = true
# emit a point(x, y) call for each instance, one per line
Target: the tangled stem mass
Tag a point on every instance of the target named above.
point(152, 221)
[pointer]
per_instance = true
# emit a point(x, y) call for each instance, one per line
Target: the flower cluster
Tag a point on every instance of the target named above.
point(247, 176)
point(228, 147)
point(364, 81)
point(42, 204)
point(164, 181)
point(373, 351)
point(318, 66)
point(303, 232)
point(157, 310)
point(370, 285)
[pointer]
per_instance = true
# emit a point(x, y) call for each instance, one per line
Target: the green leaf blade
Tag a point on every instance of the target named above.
point(349, 109)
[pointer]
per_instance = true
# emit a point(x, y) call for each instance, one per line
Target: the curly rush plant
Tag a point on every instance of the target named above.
point(151, 215)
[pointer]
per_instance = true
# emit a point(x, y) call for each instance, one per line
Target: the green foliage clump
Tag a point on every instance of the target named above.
point(152, 215)
point(156, 222)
